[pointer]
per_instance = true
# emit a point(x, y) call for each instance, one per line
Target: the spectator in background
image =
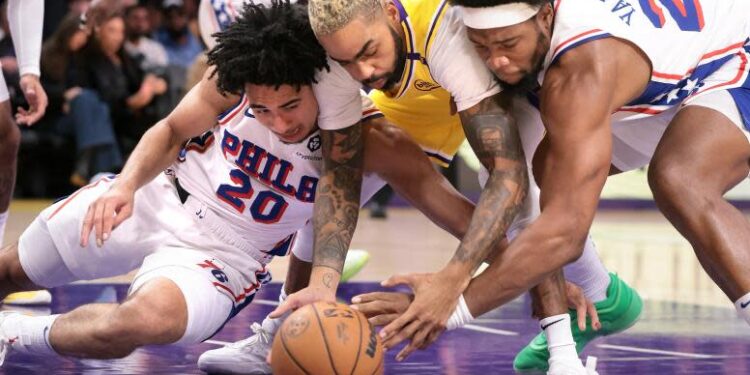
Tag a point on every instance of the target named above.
point(150, 54)
point(181, 45)
point(104, 67)
point(75, 111)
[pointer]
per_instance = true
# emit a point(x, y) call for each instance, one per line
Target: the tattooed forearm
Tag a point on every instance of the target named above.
point(494, 137)
point(337, 201)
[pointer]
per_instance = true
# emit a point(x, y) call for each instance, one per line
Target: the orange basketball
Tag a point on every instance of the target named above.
point(327, 338)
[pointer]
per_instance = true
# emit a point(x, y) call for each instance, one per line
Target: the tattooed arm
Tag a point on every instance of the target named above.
point(492, 133)
point(334, 216)
point(336, 204)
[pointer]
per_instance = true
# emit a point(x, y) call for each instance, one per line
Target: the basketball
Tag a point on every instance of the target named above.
point(327, 338)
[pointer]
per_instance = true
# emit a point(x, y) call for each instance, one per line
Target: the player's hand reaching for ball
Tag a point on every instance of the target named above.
point(382, 308)
point(435, 298)
point(106, 213)
point(322, 287)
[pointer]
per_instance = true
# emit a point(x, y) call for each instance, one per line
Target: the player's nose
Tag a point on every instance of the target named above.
point(499, 64)
point(363, 71)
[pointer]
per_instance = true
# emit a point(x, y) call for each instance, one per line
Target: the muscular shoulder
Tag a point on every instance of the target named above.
point(455, 65)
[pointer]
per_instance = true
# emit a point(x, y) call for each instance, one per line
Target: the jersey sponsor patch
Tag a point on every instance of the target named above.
point(423, 85)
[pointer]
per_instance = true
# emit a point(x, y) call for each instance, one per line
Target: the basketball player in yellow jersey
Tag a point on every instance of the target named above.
point(429, 81)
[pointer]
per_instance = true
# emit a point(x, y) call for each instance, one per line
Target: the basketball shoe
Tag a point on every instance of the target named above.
point(246, 356)
point(618, 312)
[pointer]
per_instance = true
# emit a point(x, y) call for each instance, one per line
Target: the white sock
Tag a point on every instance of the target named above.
point(743, 307)
point(559, 337)
point(589, 273)
point(3, 220)
point(461, 315)
point(31, 333)
point(272, 325)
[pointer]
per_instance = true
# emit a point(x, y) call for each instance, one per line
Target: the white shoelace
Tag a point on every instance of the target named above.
point(260, 336)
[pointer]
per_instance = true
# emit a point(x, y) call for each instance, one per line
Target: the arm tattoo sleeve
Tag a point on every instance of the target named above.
point(493, 135)
point(337, 201)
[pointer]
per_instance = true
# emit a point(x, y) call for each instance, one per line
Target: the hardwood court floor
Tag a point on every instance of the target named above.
point(687, 326)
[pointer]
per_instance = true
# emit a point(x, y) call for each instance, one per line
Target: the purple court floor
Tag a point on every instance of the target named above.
point(670, 339)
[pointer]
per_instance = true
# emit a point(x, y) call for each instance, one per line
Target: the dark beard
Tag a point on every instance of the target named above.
point(527, 83)
point(399, 62)
point(392, 78)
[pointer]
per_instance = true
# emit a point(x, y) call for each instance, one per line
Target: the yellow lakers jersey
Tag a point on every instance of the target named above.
point(420, 105)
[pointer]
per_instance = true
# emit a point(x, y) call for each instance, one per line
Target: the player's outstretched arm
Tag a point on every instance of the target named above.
point(158, 149)
point(494, 137)
point(334, 216)
point(578, 96)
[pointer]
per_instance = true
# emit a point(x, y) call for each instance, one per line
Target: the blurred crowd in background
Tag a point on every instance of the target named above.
point(109, 76)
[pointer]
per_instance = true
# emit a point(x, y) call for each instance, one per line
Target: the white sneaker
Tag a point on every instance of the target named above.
point(246, 356)
point(571, 367)
point(33, 297)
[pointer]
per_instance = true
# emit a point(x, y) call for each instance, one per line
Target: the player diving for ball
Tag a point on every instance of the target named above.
point(232, 198)
point(668, 79)
point(202, 233)
point(417, 88)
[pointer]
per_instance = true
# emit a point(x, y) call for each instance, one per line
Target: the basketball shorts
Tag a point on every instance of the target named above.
point(161, 238)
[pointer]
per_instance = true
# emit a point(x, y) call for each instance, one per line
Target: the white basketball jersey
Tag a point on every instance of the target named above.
point(695, 46)
point(263, 188)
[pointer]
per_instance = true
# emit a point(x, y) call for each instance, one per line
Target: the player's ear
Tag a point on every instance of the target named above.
point(391, 11)
point(545, 16)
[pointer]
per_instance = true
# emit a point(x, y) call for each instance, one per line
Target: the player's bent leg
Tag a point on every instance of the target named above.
point(248, 356)
point(702, 155)
point(33, 263)
point(155, 314)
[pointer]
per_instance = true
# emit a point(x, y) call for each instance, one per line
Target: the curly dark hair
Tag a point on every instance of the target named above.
point(270, 46)
point(492, 3)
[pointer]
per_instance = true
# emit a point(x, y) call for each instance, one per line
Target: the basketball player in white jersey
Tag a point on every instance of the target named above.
point(238, 356)
point(25, 20)
point(202, 233)
point(603, 66)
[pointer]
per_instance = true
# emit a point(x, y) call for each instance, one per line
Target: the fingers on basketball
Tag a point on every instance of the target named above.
point(327, 338)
